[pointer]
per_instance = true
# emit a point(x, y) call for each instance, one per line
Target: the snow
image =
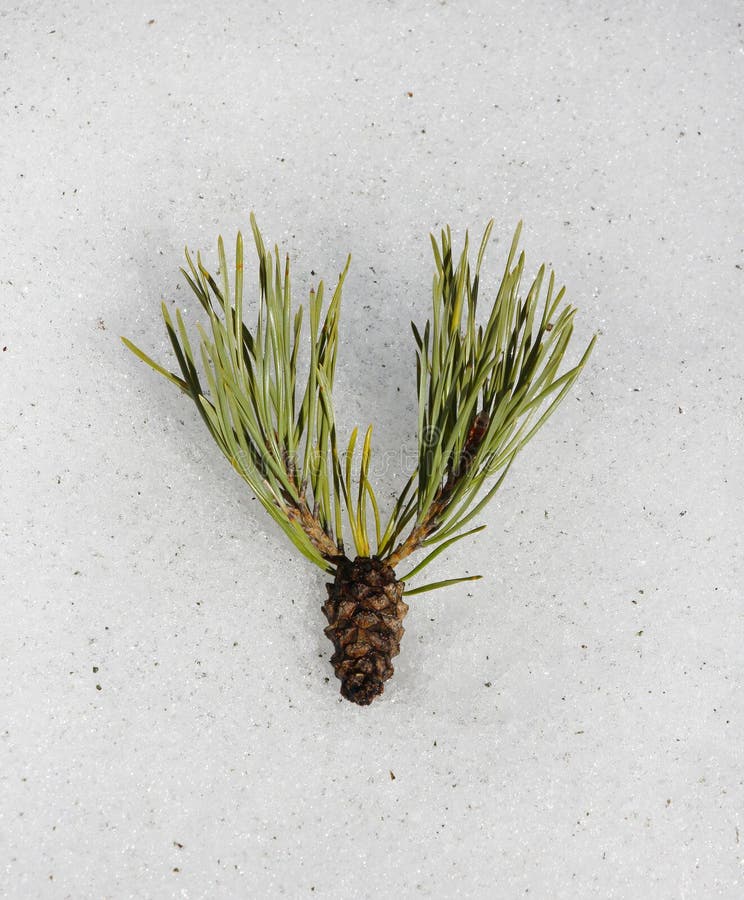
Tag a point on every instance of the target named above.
point(571, 725)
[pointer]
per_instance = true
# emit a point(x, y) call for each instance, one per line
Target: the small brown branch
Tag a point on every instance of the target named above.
point(420, 532)
point(455, 474)
point(297, 510)
point(326, 546)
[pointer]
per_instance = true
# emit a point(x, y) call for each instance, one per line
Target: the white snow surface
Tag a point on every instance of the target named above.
point(570, 726)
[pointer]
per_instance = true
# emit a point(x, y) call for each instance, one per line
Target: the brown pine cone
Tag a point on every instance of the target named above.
point(365, 609)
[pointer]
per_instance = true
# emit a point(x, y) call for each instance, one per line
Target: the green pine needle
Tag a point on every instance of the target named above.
point(435, 585)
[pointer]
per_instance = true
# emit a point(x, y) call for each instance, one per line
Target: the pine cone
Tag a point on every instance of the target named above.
point(365, 609)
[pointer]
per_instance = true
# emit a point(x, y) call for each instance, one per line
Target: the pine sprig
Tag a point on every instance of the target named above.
point(483, 392)
point(250, 406)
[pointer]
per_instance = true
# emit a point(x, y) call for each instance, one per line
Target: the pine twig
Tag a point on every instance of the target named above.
point(483, 391)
